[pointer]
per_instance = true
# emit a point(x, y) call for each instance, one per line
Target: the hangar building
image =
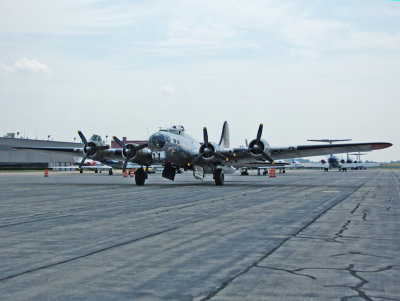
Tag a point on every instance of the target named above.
point(17, 159)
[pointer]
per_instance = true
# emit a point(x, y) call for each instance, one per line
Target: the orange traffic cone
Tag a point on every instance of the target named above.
point(46, 173)
point(124, 174)
point(132, 173)
point(272, 173)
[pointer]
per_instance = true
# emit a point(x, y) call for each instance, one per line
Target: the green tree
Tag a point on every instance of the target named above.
point(9, 135)
point(95, 137)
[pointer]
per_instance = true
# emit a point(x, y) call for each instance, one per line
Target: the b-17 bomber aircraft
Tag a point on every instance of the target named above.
point(174, 149)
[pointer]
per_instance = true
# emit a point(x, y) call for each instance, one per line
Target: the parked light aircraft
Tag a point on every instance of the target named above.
point(336, 162)
point(174, 149)
point(91, 165)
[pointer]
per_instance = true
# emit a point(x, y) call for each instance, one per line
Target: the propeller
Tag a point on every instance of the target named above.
point(207, 150)
point(129, 151)
point(90, 148)
point(256, 147)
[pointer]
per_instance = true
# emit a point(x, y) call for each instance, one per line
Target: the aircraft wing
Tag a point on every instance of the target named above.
point(315, 165)
point(100, 155)
point(323, 149)
point(360, 165)
point(259, 164)
point(66, 151)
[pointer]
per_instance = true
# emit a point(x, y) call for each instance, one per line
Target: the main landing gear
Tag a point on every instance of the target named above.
point(219, 177)
point(140, 176)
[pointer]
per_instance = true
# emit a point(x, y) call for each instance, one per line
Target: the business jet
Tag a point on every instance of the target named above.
point(174, 149)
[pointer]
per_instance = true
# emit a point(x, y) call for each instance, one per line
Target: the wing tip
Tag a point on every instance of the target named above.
point(380, 145)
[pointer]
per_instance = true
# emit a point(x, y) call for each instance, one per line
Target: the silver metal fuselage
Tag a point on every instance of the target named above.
point(173, 146)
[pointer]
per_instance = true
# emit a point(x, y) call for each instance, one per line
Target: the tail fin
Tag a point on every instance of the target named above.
point(224, 141)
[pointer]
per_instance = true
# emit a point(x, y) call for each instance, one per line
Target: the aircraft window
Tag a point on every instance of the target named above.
point(173, 131)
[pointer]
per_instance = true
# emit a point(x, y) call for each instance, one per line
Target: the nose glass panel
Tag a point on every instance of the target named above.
point(157, 141)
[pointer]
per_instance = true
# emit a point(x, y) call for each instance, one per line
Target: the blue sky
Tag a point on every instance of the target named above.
point(306, 69)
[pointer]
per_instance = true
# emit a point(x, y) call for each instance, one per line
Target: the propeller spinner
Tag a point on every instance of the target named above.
point(256, 147)
point(207, 150)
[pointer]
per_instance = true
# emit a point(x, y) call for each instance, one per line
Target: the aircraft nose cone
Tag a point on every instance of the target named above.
point(157, 141)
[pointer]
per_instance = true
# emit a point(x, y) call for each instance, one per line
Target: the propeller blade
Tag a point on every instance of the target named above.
point(259, 133)
point(82, 162)
point(267, 157)
point(119, 142)
point(125, 164)
point(83, 138)
point(205, 136)
point(141, 146)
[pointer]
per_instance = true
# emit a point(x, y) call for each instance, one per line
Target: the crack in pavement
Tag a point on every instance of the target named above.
point(272, 251)
point(364, 216)
point(360, 253)
point(319, 238)
point(358, 287)
point(350, 268)
point(295, 272)
point(355, 209)
point(342, 229)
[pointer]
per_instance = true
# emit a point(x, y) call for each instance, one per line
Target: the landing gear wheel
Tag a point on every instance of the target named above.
point(140, 177)
point(219, 177)
point(80, 170)
point(96, 170)
point(110, 172)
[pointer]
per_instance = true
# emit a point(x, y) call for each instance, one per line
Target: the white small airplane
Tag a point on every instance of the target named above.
point(175, 150)
point(89, 164)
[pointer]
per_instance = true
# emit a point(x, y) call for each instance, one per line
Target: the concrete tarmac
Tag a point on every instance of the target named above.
point(305, 235)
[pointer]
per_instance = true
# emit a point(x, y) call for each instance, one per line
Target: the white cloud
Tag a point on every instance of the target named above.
point(27, 65)
point(166, 89)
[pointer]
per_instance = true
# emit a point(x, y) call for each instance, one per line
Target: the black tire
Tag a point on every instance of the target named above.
point(110, 172)
point(80, 170)
point(219, 177)
point(140, 177)
point(96, 170)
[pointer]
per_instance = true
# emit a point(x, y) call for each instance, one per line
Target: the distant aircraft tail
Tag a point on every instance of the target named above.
point(224, 141)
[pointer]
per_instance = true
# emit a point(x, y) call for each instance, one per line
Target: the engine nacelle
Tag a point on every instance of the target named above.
point(257, 149)
point(91, 152)
point(323, 161)
point(209, 152)
point(342, 161)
